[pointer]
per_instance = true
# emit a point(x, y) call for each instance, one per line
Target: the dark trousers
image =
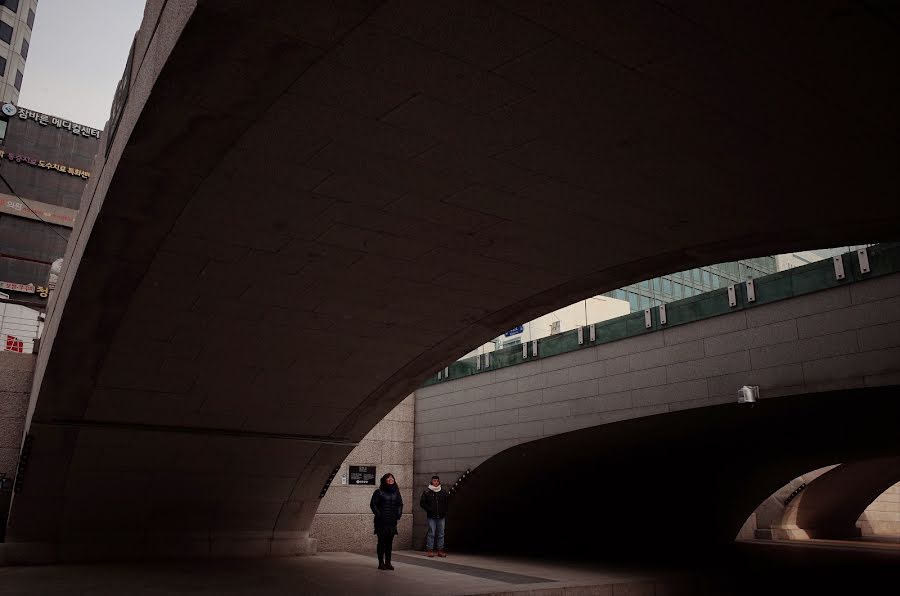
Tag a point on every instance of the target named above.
point(385, 544)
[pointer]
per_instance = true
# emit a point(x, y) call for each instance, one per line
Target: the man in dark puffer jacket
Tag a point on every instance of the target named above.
point(435, 501)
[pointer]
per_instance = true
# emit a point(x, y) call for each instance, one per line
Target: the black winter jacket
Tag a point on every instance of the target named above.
point(435, 504)
point(387, 507)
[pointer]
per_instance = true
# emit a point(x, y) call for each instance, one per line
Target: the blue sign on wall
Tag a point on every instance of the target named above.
point(515, 331)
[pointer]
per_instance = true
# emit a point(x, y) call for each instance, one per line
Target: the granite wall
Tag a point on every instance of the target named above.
point(16, 372)
point(344, 521)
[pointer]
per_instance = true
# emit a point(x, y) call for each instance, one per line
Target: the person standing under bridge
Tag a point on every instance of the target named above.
point(435, 501)
point(387, 505)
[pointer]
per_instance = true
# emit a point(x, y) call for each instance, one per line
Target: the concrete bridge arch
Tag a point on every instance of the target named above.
point(668, 487)
point(830, 505)
point(360, 194)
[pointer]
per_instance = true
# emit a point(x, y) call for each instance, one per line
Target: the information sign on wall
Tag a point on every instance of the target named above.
point(45, 164)
point(47, 120)
point(24, 288)
point(515, 330)
point(364, 475)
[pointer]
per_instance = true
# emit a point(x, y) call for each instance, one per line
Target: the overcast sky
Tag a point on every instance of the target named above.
point(76, 57)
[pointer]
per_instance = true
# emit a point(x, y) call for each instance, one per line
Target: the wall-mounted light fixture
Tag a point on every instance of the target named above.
point(748, 394)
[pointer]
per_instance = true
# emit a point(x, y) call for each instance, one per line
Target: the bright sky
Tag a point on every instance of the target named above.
point(76, 57)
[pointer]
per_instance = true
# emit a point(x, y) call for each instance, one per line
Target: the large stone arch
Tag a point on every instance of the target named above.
point(303, 211)
point(830, 505)
point(672, 485)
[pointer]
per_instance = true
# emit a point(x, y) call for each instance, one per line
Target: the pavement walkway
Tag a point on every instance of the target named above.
point(752, 568)
point(326, 574)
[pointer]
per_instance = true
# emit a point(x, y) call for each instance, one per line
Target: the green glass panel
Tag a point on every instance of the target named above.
point(611, 330)
point(883, 259)
point(462, 368)
point(506, 357)
point(815, 277)
point(558, 344)
point(684, 311)
point(771, 288)
point(713, 304)
point(634, 325)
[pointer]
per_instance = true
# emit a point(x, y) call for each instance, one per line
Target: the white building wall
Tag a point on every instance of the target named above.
point(592, 310)
point(19, 328)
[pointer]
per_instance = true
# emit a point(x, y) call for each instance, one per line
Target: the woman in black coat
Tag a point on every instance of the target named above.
point(387, 505)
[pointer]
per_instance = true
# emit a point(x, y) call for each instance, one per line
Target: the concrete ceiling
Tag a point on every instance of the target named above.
point(309, 208)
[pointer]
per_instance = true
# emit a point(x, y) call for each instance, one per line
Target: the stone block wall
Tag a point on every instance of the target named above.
point(344, 521)
point(882, 517)
point(841, 338)
point(16, 373)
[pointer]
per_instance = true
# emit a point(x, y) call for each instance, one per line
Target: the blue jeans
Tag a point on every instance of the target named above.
point(435, 528)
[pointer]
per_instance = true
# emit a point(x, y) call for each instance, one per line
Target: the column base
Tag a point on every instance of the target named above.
point(793, 532)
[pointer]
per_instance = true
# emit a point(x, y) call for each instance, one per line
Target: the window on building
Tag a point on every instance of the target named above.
point(13, 5)
point(18, 80)
point(667, 286)
point(2, 66)
point(24, 51)
point(645, 302)
point(633, 301)
point(717, 281)
point(707, 279)
point(657, 287)
point(30, 19)
point(6, 32)
point(645, 284)
point(678, 290)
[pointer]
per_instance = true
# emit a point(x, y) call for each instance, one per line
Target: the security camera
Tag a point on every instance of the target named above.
point(748, 394)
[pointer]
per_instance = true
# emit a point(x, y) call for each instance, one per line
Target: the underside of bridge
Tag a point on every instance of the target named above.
point(306, 208)
point(832, 503)
point(675, 487)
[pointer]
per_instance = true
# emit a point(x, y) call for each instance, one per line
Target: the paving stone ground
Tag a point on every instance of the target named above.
point(326, 574)
point(763, 567)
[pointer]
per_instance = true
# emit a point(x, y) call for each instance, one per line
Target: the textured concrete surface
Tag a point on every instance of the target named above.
point(16, 372)
point(882, 517)
point(831, 506)
point(343, 521)
point(771, 510)
point(754, 568)
point(835, 339)
point(329, 573)
point(701, 470)
point(304, 214)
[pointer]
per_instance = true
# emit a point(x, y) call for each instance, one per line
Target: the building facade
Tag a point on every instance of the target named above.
point(805, 257)
point(45, 163)
point(684, 284)
point(16, 23)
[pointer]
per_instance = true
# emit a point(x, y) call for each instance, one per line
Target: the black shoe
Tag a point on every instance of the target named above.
point(388, 566)
point(382, 566)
